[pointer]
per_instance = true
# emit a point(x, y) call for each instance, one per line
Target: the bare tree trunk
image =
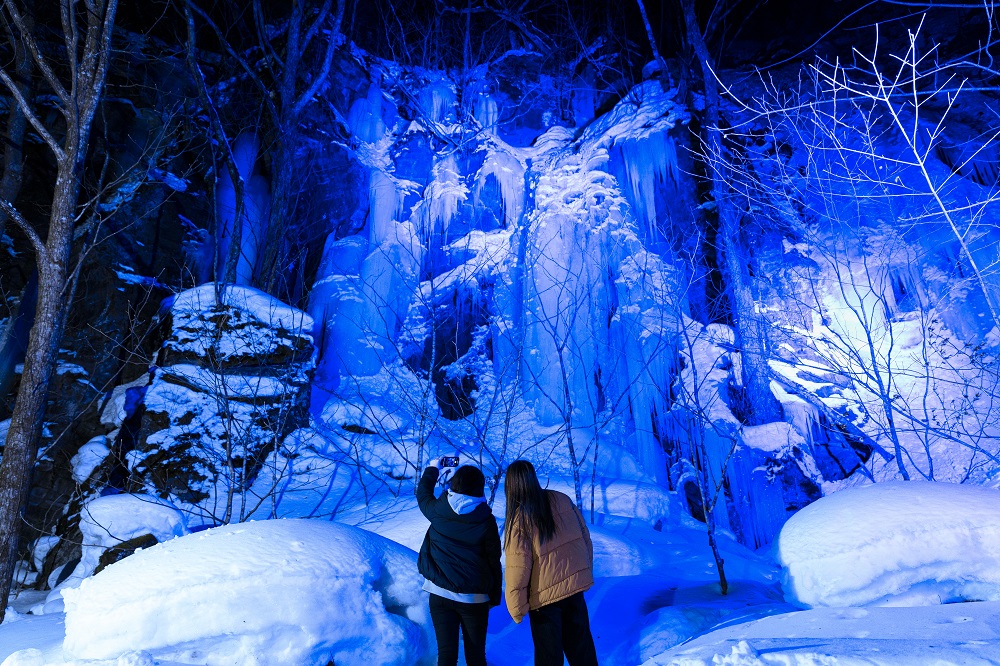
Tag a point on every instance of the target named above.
point(751, 327)
point(56, 279)
point(292, 102)
point(664, 73)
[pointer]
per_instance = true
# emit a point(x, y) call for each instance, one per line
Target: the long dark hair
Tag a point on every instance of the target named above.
point(527, 501)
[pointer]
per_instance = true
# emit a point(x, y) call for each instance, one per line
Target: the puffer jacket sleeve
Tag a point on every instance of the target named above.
point(493, 555)
point(425, 491)
point(518, 574)
point(586, 536)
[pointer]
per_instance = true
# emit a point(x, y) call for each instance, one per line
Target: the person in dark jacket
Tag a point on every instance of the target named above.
point(460, 562)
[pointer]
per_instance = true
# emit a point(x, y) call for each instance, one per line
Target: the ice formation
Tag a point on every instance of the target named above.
point(442, 198)
point(508, 173)
point(486, 112)
point(384, 208)
point(365, 116)
point(437, 101)
point(256, 200)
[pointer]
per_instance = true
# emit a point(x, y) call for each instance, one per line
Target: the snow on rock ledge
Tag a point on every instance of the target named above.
point(895, 544)
point(248, 328)
point(108, 521)
point(289, 592)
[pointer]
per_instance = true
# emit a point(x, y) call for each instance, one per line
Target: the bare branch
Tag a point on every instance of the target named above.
point(29, 231)
point(24, 28)
point(36, 123)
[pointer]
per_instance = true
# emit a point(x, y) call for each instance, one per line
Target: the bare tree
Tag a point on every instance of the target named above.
point(751, 326)
point(87, 33)
point(860, 186)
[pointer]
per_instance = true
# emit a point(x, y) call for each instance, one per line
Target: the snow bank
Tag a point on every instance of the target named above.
point(951, 634)
point(270, 592)
point(895, 544)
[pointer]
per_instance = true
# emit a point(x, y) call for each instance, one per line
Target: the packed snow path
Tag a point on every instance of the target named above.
point(950, 634)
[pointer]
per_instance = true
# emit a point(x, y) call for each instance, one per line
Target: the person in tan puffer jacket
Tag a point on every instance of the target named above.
point(550, 563)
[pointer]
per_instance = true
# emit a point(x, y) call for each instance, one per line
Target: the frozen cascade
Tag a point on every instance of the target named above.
point(334, 305)
point(442, 198)
point(437, 101)
point(647, 162)
point(566, 292)
point(508, 172)
point(601, 315)
point(256, 200)
point(385, 207)
point(636, 134)
point(365, 116)
point(389, 278)
point(486, 112)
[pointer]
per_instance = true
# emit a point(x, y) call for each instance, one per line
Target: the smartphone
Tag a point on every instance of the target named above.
point(449, 461)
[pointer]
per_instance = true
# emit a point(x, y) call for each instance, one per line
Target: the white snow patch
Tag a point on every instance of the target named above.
point(89, 457)
point(896, 544)
point(111, 520)
point(113, 413)
point(270, 592)
point(245, 387)
point(269, 310)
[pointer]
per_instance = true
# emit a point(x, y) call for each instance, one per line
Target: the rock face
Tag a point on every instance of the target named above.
point(232, 379)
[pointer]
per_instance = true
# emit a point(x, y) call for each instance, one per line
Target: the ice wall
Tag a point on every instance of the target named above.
point(256, 200)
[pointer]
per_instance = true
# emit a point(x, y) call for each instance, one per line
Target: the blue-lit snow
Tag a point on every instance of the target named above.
point(656, 584)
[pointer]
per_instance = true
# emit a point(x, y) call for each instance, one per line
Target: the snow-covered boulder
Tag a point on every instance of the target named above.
point(898, 543)
point(233, 379)
point(279, 592)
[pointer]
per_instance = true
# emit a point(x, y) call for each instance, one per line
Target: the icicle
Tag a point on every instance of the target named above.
point(583, 102)
point(365, 116)
point(486, 112)
point(442, 198)
point(385, 205)
point(256, 200)
point(648, 161)
point(509, 175)
point(437, 101)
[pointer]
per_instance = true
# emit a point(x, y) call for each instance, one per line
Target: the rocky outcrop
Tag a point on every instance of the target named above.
point(232, 379)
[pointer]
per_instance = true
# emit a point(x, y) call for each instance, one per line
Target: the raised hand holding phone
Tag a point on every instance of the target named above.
point(447, 465)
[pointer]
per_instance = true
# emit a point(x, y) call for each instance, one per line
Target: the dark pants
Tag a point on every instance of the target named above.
point(562, 628)
point(448, 616)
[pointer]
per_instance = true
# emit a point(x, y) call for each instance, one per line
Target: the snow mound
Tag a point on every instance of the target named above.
point(894, 544)
point(293, 592)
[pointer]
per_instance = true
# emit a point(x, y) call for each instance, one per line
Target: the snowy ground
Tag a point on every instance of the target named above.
point(655, 601)
point(950, 634)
